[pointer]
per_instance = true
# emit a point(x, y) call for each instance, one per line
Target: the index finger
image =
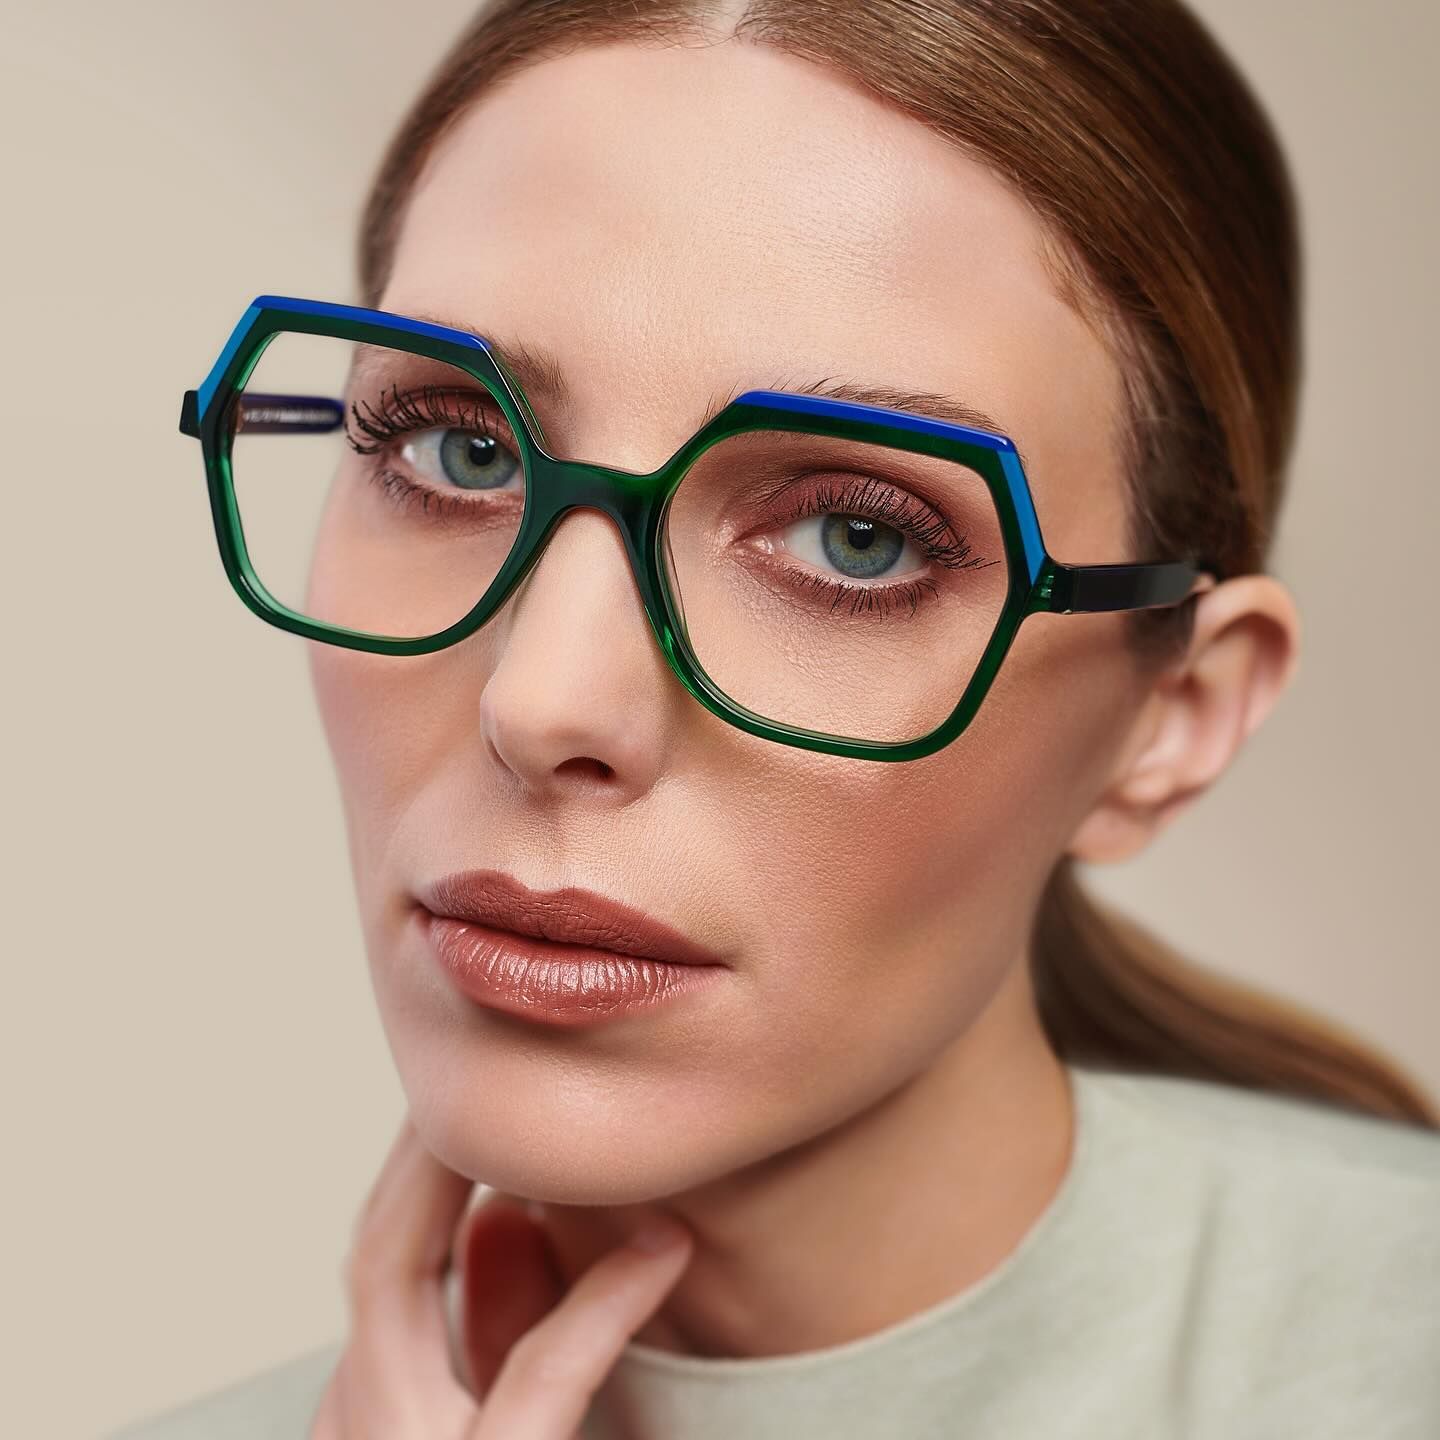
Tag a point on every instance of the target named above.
point(396, 1271)
point(407, 1226)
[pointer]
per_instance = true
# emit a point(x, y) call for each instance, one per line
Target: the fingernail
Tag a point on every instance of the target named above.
point(657, 1235)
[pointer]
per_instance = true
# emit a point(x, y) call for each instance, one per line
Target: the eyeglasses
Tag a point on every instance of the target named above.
point(836, 576)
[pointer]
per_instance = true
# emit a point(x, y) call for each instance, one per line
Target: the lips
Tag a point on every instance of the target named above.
point(570, 916)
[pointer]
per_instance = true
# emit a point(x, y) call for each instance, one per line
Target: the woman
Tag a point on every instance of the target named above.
point(943, 1148)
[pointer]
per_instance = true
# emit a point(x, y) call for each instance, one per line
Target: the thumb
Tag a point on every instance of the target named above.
point(510, 1283)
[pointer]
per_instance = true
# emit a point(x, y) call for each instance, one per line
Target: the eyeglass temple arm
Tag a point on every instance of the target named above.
point(271, 414)
point(1088, 588)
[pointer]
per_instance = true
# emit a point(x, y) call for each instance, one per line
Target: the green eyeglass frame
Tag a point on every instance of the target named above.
point(637, 504)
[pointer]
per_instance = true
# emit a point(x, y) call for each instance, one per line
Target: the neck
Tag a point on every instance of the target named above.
point(899, 1207)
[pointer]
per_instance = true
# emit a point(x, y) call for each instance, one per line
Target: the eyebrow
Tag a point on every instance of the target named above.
point(540, 374)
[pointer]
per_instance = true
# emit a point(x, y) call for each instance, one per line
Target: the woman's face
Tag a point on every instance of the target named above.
point(673, 225)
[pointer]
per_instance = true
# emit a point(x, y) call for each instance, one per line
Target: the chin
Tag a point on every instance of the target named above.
point(561, 1143)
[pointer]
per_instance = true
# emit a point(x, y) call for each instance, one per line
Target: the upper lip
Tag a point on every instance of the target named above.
point(570, 915)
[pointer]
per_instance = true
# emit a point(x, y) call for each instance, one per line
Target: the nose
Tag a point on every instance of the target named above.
point(580, 693)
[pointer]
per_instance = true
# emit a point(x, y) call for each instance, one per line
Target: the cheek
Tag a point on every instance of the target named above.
point(906, 892)
point(351, 694)
point(393, 726)
point(905, 897)
point(883, 907)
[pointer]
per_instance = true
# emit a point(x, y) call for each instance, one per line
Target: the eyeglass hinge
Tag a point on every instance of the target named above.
point(190, 414)
point(1055, 588)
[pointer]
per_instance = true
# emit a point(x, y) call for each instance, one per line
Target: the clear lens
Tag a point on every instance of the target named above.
point(836, 585)
point(378, 491)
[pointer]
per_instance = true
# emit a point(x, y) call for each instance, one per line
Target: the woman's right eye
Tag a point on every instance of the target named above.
point(465, 459)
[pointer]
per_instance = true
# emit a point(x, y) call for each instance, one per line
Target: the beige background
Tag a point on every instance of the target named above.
point(197, 1087)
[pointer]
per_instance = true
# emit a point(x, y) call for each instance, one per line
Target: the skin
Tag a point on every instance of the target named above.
point(864, 1117)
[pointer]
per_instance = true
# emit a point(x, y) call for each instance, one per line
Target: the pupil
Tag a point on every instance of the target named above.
point(862, 534)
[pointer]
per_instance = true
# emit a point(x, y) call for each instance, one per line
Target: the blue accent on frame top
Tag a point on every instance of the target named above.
point(774, 399)
point(329, 310)
point(901, 419)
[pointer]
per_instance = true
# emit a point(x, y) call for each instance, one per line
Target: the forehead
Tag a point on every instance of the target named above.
point(673, 222)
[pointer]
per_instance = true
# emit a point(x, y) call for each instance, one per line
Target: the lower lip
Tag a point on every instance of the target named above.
point(555, 983)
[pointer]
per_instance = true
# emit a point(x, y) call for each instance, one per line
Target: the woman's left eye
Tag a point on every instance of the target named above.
point(469, 459)
point(857, 546)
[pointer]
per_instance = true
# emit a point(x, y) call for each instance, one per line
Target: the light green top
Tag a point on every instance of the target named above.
point(1217, 1264)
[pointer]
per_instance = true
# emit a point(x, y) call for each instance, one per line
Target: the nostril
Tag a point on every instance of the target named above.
point(585, 764)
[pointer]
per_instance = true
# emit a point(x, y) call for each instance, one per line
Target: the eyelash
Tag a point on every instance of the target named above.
point(870, 498)
point(862, 496)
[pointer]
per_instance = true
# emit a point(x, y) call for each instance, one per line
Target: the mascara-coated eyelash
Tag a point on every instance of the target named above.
point(872, 499)
point(406, 413)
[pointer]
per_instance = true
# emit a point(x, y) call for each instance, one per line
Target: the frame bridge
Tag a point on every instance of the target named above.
point(559, 486)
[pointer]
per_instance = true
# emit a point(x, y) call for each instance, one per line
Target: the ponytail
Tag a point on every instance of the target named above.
point(1111, 994)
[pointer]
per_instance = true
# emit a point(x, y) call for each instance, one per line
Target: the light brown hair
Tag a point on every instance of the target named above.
point(1172, 227)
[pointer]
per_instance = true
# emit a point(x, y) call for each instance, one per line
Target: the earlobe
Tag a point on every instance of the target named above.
point(1243, 652)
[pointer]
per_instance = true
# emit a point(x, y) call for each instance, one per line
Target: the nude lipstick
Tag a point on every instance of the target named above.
point(566, 957)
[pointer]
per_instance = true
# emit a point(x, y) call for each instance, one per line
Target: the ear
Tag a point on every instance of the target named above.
point(1243, 652)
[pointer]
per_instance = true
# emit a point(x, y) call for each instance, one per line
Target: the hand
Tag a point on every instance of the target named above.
point(533, 1353)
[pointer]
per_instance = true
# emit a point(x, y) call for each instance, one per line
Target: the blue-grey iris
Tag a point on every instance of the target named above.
point(858, 547)
point(469, 460)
